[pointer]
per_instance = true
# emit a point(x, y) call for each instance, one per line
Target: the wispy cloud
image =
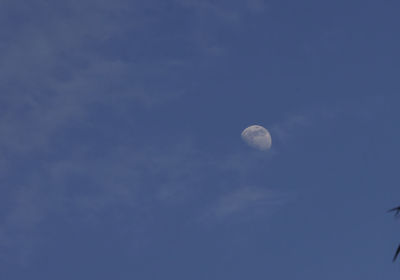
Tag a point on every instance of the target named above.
point(283, 131)
point(245, 203)
point(125, 182)
point(55, 68)
point(226, 10)
point(59, 64)
point(210, 19)
point(62, 64)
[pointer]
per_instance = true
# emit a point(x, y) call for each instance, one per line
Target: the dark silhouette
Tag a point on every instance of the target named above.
point(396, 214)
point(396, 209)
point(397, 253)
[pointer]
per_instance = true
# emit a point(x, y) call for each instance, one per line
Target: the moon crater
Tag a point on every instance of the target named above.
point(257, 137)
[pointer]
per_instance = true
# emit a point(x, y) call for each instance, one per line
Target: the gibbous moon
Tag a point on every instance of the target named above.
point(257, 137)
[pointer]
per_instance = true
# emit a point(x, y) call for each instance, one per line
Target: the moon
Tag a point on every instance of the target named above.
point(257, 137)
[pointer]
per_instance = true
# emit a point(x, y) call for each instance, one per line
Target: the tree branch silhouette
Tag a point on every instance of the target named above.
point(396, 211)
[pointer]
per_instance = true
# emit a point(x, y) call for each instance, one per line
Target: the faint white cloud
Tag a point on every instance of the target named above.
point(226, 10)
point(130, 183)
point(26, 209)
point(257, 6)
point(243, 204)
point(282, 132)
point(295, 124)
point(121, 182)
point(55, 66)
point(212, 18)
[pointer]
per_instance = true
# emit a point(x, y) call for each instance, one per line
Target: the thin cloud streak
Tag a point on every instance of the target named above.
point(245, 204)
point(59, 66)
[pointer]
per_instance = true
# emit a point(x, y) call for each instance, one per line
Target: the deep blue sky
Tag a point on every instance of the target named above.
point(120, 148)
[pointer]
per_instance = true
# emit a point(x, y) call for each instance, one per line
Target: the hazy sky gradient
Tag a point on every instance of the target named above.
point(120, 148)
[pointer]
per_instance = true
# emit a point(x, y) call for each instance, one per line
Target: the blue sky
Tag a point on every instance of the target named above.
point(120, 147)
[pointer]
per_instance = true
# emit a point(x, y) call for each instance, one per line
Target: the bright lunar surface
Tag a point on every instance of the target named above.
point(257, 137)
